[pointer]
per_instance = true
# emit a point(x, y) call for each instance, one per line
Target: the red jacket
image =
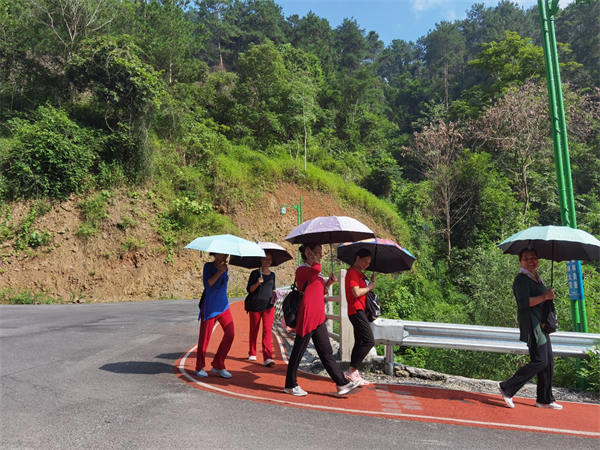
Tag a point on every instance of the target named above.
point(355, 278)
point(311, 312)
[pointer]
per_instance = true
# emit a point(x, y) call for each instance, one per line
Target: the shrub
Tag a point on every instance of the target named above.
point(9, 296)
point(93, 211)
point(590, 370)
point(50, 157)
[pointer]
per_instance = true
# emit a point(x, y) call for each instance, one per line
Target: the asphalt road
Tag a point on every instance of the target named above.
point(100, 376)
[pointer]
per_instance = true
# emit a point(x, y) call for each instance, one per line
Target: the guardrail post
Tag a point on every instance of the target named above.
point(389, 359)
point(346, 330)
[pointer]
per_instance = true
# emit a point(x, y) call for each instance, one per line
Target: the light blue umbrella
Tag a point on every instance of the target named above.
point(226, 244)
point(554, 243)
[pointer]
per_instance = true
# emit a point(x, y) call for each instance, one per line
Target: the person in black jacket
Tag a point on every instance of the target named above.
point(530, 293)
point(258, 304)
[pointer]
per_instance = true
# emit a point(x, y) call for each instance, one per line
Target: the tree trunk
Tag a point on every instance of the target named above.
point(446, 81)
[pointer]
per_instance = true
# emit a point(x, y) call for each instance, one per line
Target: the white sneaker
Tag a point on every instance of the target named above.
point(269, 362)
point(251, 357)
point(343, 390)
point(552, 405)
point(506, 398)
point(297, 391)
point(221, 372)
point(200, 373)
point(356, 376)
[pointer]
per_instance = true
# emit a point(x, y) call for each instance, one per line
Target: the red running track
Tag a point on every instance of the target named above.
point(255, 382)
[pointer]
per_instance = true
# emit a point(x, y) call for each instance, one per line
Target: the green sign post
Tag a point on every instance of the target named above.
point(300, 212)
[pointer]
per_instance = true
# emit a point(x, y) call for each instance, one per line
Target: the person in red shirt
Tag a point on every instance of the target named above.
point(356, 292)
point(310, 323)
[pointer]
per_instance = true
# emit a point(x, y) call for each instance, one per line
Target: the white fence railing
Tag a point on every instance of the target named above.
point(402, 333)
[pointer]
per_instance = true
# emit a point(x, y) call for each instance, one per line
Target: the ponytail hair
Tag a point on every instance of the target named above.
point(303, 247)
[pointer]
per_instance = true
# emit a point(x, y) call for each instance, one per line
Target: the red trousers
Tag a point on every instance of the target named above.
point(206, 329)
point(267, 317)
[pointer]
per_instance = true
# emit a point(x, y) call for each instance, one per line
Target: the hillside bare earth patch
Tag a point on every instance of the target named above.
point(127, 263)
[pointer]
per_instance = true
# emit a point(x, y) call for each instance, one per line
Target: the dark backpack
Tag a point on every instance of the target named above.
point(372, 308)
point(291, 303)
point(549, 319)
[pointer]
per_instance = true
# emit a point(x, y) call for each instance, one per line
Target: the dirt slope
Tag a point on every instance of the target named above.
point(103, 270)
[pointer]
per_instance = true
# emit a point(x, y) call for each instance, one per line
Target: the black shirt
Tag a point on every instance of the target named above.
point(260, 299)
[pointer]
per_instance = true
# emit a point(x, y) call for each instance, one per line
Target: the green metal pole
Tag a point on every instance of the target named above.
point(547, 45)
point(561, 145)
point(580, 317)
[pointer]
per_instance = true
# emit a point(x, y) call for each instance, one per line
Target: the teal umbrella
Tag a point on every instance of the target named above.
point(226, 244)
point(554, 243)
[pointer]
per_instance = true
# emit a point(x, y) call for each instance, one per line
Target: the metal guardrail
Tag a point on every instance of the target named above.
point(403, 333)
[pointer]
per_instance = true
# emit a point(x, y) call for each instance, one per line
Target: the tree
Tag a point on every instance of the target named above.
point(212, 15)
point(351, 46)
point(254, 22)
point(72, 21)
point(518, 128)
point(168, 40)
point(260, 93)
point(511, 61)
point(313, 35)
point(444, 49)
point(305, 77)
point(125, 88)
point(579, 26)
point(438, 150)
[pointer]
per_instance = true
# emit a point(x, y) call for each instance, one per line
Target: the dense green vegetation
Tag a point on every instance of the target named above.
point(445, 141)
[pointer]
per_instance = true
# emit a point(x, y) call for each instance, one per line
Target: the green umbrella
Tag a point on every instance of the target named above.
point(554, 243)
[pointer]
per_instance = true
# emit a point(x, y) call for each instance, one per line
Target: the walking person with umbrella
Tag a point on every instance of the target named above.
point(357, 287)
point(215, 308)
point(310, 323)
point(377, 255)
point(259, 302)
point(258, 305)
point(214, 305)
point(531, 292)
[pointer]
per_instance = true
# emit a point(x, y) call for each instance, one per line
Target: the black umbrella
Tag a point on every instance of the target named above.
point(386, 255)
point(280, 255)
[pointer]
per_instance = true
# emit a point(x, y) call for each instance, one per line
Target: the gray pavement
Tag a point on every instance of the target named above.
point(99, 376)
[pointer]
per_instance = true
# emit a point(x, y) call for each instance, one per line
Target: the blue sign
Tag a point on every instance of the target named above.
point(575, 280)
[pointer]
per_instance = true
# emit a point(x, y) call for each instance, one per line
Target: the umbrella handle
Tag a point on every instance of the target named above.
point(552, 267)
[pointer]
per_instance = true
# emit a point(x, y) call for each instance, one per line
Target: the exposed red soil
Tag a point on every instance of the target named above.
point(101, 270)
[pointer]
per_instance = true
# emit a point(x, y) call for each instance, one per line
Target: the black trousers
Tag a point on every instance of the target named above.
point(363, 338)
point(320, 338)
point(542, 365)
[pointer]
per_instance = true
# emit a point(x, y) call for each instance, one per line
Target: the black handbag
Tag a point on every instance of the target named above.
point(291, 303)
point(200, 303)
point(372, 307)
point(549, 319)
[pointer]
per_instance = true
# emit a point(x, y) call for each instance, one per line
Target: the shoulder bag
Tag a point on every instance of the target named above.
point(291, 303)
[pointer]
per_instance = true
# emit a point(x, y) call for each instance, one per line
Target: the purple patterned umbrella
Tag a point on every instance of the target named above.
point(387, 256)
point(329, 230)
point(280, 255)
